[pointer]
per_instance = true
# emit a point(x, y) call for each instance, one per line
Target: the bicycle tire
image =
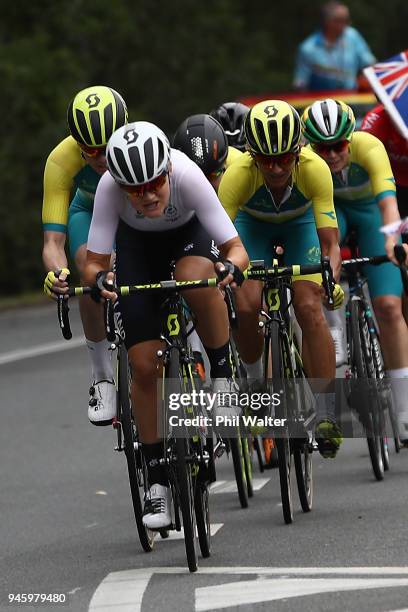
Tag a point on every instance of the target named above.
point(202, 512)
point(146, 536)
point(258, 451)
point(248, 466)
point(185, 485)
point(239, 469)
point(304, 475)
point(364, 370)
point(282, 442)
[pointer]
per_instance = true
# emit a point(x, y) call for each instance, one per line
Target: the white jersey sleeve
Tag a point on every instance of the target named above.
point(105, 216)
point(196, 192)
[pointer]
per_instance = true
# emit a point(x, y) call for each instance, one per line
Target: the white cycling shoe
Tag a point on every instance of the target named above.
point(227, 401)
point(337, 335)
point(402, 421)
point(156, 513)
point(102, 402)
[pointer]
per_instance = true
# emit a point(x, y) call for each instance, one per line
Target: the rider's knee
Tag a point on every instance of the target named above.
point(308, 310)
point(144, 370)
point(388, 309)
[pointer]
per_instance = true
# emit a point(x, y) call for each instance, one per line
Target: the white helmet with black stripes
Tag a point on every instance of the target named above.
point(137, 153)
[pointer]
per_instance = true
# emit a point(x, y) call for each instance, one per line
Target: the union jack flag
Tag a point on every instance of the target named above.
point(389, 81)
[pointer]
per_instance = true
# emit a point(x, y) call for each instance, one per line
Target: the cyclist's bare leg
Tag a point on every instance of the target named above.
point(393, 331)
point(146, 370)
point(248, 336)
point(91, 312)
point(319, 353)
point(207, 304)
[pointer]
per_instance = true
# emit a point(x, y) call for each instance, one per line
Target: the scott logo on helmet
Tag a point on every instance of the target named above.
point(93, 100)
point(270, 111)
point(130, 136)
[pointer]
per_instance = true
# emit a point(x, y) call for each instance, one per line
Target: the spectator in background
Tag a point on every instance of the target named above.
point(332, 57)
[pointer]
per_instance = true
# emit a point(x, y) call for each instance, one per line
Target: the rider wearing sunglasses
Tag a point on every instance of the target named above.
point(76, 165)
point(364, 197)
point(158, 207)
point(204, 141)
point(279, 193)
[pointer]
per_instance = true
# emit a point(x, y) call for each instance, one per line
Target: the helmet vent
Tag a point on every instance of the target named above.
point(108, 120)
point(134, 156)
point(273, 136)
point(259, 128)
point(95, 121)
point(149, 158)
point(85, 136)
point(197, 148)
point(120, 158)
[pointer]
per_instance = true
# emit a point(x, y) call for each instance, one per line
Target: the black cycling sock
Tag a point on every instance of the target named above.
point(156, 471)
point(219, 361)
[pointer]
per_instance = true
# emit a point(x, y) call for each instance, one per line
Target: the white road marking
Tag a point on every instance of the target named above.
point(123, 591)
point(179, 535)
point(100, 493)
point(230, 486)
point(247, 592)
point(41, 349)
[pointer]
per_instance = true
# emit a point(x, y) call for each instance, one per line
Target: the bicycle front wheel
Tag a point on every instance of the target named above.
point(282, 441)
point(370, 407)
point(133, 455)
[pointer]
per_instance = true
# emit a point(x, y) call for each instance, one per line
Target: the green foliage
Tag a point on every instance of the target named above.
point(168, 60)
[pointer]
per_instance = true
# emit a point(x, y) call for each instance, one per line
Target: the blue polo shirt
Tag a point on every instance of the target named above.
point(322, 66)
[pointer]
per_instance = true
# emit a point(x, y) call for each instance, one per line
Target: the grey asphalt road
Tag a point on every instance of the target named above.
point(66, 520)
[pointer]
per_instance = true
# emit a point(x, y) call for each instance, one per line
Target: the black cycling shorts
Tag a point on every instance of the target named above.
point(145, 257)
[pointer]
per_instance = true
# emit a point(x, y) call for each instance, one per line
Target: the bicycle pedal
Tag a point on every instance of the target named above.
point(219, 449)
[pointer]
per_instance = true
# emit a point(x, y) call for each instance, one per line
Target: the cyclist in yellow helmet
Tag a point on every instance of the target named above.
point(280, 193)
point(75, 166)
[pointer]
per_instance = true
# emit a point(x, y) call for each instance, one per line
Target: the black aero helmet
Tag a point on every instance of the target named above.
point(203, 140)
point(232, 115)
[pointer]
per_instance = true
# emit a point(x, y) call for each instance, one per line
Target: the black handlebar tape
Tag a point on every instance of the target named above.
point(109, 320)
point(63, 317)
point(232, 313)
point(400, 256)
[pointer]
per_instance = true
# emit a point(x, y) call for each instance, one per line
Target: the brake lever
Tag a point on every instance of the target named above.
point(328, 280)
point(63, 317)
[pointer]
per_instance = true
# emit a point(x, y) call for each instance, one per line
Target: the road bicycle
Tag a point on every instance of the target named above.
point(367, 388)
point(186, 458)
point(294, 440)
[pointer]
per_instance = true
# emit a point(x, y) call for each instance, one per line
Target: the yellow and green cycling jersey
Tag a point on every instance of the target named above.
point(233, 155)
point(243, 189)
point(368, 177)
point(66, 171)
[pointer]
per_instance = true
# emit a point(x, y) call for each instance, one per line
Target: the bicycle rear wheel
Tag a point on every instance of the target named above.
point(370, 405)
point(133, 455)
point(282, 441)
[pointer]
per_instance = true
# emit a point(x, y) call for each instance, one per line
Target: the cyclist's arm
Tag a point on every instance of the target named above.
point(319, 188)
point(375, 160)
point(54, 251)
point(329, 245)
point(237, 185)
point(234, 251)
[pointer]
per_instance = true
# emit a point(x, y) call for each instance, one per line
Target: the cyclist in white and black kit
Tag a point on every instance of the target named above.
point(157, 206)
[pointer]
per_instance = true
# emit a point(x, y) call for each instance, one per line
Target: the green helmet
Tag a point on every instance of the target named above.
point(327, 121)
point(94, 114)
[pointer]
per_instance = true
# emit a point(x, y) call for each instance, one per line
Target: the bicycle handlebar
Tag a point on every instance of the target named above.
point(257, 271)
